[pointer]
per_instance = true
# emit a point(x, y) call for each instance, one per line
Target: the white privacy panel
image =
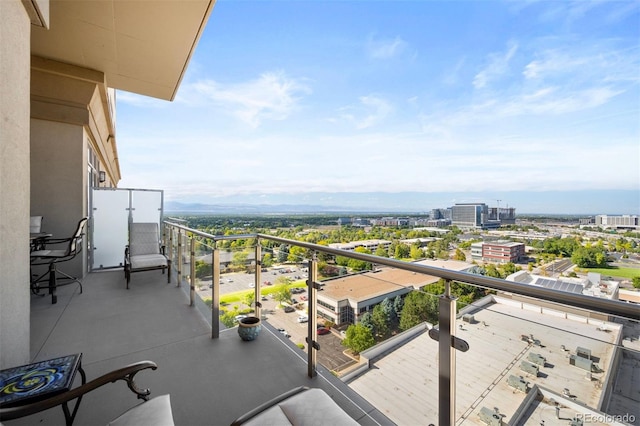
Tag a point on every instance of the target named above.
point(112, 210)
point(110, 227)
point(146, 206)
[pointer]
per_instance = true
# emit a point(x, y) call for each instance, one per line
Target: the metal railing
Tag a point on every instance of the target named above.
point(448, 343)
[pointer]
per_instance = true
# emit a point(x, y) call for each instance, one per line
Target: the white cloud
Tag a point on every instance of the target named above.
point(385, 49)
point(370, 111)
point(272, 96)
point(498, 65)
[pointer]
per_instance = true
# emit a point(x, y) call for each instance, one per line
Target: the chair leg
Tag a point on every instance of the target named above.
point(73, 279)
point(52, 283)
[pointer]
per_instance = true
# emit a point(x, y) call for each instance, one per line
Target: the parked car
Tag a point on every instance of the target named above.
point(284, 332)
point(323, 330)
point(289, 309)
point(239, 317)
point(303, 318)
point(303, 297)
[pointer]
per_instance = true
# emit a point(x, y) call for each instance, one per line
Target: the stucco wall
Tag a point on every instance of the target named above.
point(14, 184)
point(58, 181)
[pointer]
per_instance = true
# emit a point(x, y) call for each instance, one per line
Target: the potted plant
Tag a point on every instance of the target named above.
point(249, 328)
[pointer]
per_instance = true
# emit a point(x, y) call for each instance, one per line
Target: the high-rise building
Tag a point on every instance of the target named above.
point(624, 221)
point(472, 215)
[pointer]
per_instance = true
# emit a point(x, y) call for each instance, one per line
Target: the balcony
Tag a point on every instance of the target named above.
point(214, 377)
point(211, 381)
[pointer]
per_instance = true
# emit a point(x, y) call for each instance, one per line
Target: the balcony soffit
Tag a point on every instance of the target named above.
point(141, 46)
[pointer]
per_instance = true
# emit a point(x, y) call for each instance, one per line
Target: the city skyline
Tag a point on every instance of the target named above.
point(393, 105)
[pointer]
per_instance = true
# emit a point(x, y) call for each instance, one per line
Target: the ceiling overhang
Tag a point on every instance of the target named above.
point(141, 46)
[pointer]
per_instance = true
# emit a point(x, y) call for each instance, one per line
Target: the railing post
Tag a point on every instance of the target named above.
point(179, 257)
point(215, 293)
point(171, 257)
point(192, 272)
point(446, 358)
point(258, 256)
point(312, 325)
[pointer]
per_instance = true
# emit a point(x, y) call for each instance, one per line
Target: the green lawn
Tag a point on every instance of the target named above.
point(614, 271)
point(238, 296)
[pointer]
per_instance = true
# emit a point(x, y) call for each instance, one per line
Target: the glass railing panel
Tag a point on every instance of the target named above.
point(518, 360)
point(387, 357)
point(535, 362)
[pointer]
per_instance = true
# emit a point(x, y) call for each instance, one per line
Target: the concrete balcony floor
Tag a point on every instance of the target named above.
point(211, 381)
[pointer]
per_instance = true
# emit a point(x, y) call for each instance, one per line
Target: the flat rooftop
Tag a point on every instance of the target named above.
point(386, 280)
point(404, 383)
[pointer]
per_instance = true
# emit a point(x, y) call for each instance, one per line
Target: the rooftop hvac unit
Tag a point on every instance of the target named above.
point(585, 364)
point(468, 318)
point(490, 417)
point(518, 383)
point(529, 368)
point(537, 359)
point(583, 352)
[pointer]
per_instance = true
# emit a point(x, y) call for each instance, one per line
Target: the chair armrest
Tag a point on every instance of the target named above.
point(126, 373)
point(259, 409)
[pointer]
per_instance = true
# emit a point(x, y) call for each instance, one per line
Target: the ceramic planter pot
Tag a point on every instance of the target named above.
point(249, 328)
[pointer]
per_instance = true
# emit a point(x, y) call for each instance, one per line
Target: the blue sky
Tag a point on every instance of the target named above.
point(416, 103)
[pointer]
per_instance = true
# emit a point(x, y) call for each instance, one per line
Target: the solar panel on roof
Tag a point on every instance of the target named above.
point(559, 285)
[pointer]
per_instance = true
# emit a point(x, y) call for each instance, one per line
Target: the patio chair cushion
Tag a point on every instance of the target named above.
point(304, 407)
point(143, 261)
point(156, 412)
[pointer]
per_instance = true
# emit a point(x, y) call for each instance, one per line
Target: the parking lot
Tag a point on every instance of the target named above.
point(331, 350)
point(238, 281)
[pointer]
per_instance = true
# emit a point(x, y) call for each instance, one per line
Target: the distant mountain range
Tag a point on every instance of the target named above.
point(248, 209)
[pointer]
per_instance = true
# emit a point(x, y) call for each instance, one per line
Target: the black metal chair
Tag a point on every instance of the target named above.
point(47, 256)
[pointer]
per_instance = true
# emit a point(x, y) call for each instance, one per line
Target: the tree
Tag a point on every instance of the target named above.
point(267, 260)
point(416, 252)
point(398, 303)
point(297, 254)
point(359, 265)
point(282, 294)
point(239, 259)
point(380, 321)
point(459, 255)
point(203, 269)
point(589, 257)
point(636, 282)
point(403, 251)
point(367, 321)
point(249, 298)
point(418, 307)
point(381, 252)
point(390, 312)
point(358, 338)
point(283, 253)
